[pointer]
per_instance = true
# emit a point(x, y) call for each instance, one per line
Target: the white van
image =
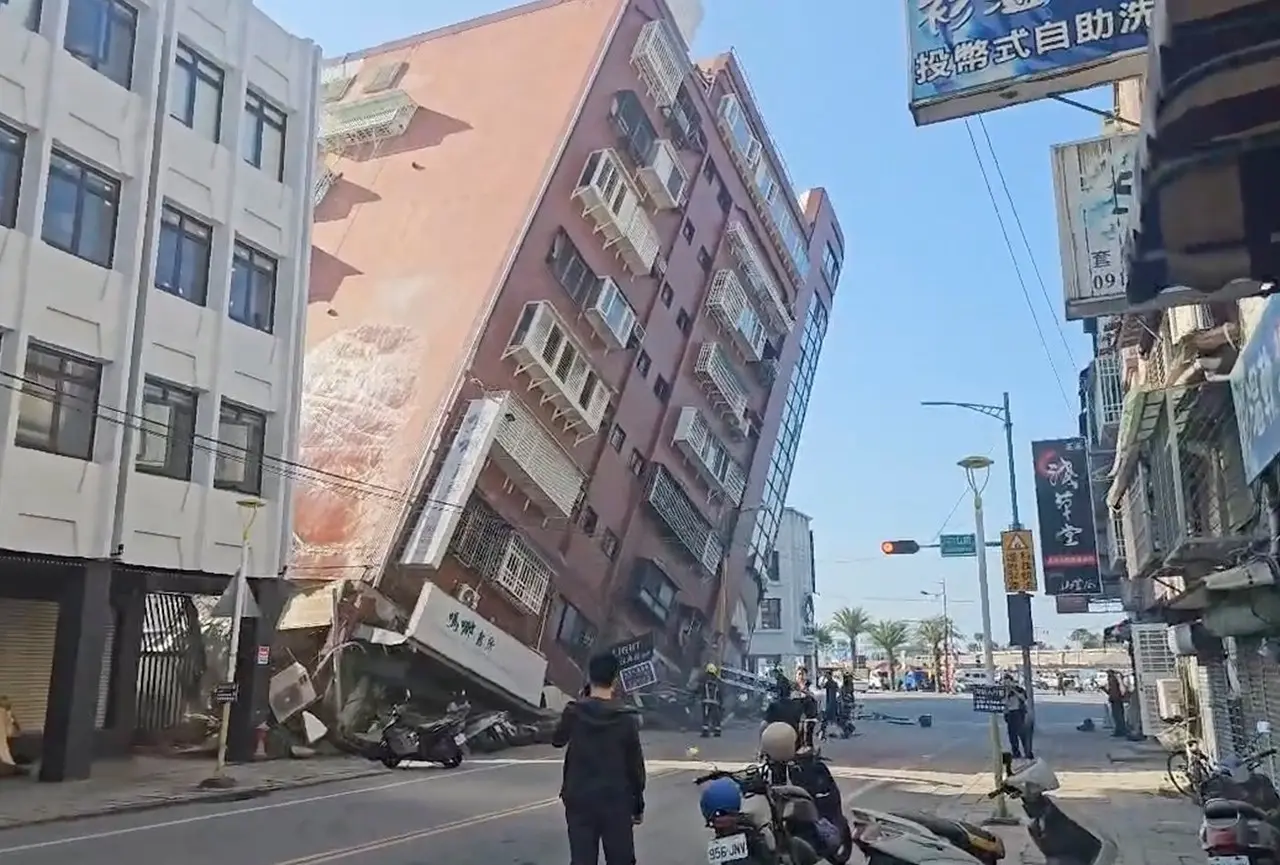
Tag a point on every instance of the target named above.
point(967, 678)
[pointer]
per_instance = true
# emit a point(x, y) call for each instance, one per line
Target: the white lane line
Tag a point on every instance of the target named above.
point(235, 812)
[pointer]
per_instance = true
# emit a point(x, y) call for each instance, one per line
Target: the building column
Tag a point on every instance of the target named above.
point(122, 715)
point(83, 612)
point(250, 708)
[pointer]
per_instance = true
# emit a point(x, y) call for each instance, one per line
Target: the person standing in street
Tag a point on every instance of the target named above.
point(712, 694)
point(604, 772)
point(1015, 719)
point(1115, 702)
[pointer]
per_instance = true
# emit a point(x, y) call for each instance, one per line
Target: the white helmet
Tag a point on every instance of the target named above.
point(778, 741)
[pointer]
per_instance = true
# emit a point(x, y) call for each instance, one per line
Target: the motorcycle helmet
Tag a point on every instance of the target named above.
point(713, 670)
point(778, 741)
point(720, 796)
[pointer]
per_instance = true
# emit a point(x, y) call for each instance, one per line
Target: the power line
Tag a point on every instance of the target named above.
point(1017, 267)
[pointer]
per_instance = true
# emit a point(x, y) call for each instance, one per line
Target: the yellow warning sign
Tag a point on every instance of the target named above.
point(1019, 559)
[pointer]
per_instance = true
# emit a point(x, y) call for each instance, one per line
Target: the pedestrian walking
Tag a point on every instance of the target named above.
point(604, 772)
point(1016, 722)
point(1115, 702)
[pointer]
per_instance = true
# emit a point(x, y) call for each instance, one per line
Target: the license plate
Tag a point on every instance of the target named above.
point(460, 739)
point(734, 847)
point(1228, 860)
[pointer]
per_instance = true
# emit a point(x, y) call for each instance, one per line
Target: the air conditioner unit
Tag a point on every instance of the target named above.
point(468, 596)
point(1169, 699)
point(290, 691)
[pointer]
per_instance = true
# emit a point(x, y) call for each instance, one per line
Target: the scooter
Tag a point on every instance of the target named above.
point(784, 831)
point(438, 741)
point(1241, 812)
point(1060, 837)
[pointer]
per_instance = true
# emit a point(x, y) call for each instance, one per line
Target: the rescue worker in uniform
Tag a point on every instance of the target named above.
point(711, 691)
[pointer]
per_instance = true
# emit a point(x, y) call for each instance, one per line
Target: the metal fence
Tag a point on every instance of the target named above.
point(171, 663)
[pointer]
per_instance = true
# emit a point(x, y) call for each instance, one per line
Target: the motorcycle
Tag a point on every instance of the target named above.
point(762, 829)
point(439, 741)
point(936, 838)
point(831, 835)
point(1241, 814)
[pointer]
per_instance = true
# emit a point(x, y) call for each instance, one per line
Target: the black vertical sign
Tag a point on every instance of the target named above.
point(1064, 503)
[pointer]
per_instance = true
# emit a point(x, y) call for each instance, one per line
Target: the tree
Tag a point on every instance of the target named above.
point(851, 623)
point(1085, 639)
point(936, 633)
point(822, 637)
point(974, 647)
point(890, 636)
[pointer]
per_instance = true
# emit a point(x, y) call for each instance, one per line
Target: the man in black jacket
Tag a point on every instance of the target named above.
point(604, 772)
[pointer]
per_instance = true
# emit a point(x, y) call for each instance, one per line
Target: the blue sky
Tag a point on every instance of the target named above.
point(929, 305)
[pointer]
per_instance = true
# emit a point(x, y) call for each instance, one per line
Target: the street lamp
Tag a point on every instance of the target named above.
point(977, 471)
point(946, 645)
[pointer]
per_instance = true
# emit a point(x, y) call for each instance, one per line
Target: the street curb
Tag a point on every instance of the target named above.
point(195, 797)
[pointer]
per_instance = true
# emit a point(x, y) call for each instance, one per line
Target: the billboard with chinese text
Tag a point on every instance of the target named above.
point(1255, 390)
point(972, 56)
point(1093, 188)
point(1064, 504)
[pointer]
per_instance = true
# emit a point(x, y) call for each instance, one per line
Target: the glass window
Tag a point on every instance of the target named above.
point(570, 268)
point(253, 288)
point(657, 592)
point(574, 632)
point(195, 93)
point(182, 260)
point(12, 145)
point(242, 435)
point(770, 614)
point(167, 430)
point(80, 210)
point(831, 266)
point(28, 9)
point(263, 137)
point(58, 409)
point(101, 34)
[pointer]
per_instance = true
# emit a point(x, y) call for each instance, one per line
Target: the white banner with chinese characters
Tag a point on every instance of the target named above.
point(1093, 187)
point(458, 633)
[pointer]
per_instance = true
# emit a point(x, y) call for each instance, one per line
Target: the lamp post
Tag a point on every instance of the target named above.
point(1005, 416)
point(977, 473)
point(946, 645)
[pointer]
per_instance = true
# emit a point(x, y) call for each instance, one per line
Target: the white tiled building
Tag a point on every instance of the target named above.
point(156, 168)
point(785, 634)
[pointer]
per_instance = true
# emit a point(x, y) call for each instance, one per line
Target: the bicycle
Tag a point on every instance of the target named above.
point(1191, 771)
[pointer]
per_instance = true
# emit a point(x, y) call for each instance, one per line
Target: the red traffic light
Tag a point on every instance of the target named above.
point(899, 548)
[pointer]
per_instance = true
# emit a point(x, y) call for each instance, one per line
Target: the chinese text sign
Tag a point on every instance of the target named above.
point(971, 56)
point(1255, 389)
point(1094, 187)
point(1064, 504)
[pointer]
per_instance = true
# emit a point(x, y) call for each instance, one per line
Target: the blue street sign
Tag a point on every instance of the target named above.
point(958, 546)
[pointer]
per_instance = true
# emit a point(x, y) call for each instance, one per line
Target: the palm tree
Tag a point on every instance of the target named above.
point(1085, 639)
point(936, 632)
point(851, 623)
point(890, 637)
point(822, 637)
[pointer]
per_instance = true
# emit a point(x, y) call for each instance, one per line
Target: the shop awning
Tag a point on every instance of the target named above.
point(1208, 217)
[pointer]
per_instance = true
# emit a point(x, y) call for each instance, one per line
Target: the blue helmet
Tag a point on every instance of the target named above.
point(720, 796)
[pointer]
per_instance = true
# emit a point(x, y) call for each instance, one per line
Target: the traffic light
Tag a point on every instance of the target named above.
point(899, 548)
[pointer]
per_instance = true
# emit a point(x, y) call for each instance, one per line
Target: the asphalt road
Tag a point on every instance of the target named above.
point(503, 811)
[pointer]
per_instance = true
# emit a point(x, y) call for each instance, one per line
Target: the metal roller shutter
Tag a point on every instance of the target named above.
point(27, 631)
point(104, 677)
point(1215, 714)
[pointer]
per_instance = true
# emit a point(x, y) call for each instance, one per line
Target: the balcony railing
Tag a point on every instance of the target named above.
point(530, 455)
point(362, 121)
point(722, 385)
point(1108, 395)
point(660, 62)
point(488, 545)
point(698, 442)
point(542, 346)
point(758, 279)
point(729, 304)
point(613, 203)
point(677, 511)
point(326, 177)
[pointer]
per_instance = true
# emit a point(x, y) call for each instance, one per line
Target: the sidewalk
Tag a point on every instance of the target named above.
point(144, 782)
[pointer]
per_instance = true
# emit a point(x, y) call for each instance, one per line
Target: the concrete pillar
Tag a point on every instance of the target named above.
point(251, 708)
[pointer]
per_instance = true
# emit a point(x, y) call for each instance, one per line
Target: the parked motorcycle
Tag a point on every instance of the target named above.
point(754, 821)
point(439, 741)
point(1241, 823)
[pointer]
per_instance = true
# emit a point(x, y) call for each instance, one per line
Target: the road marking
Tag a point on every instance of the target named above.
point(252, 809)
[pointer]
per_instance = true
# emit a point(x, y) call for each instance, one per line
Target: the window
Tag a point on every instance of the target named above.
point(770, 614)
point(385, 77)
point(724, 199)
point(590, 519)
point(617, 438)
point(58, 409)
point(643, 362)
point(182, 262)
point(101, 34)
point(709, 171)
point(667, 295)
point(262, 140)
point(167, 431)
point(687, 231)
point(656, 592)
point(636, 132)
point(573, 631)
point(253, 288)
point(80, 210)
point(242, 438)
point(29, 9)
point(610, 544)
point(12, 145)
point(704, 259)
point(636, 463)
point(570, 268)
point(775, 567)
point(195, 93)
point(831, 266)
point(661, 389)
point(684, 322)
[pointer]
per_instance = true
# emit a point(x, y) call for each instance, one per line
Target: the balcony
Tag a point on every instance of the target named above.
point(365, 121)
point(664, 176)
point(744, 147)
point(660, 62)
point(695, 439)
point(530, 455)
point(732, 309)
point(758, 279)
point(611, 314)
point(543, 347)
point(326, 177)
point(688, 526)
point(613, 203)
point(1108, 393)
point(722, 385)
point(487, 545)
point(765, 371)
